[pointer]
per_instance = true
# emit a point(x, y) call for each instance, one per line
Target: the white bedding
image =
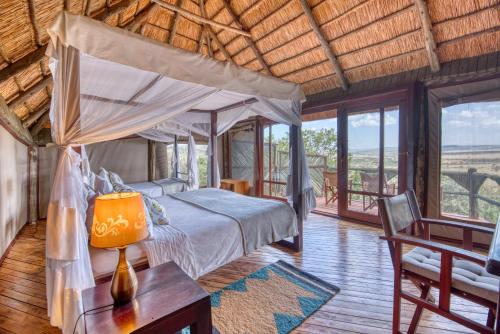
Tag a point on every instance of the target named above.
point(159, 188)
point(215, 240)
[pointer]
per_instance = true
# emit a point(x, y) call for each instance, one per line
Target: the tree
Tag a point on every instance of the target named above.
point(316, 142)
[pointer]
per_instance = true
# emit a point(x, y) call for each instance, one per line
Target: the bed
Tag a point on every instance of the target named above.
point(161, 187)
point(205, 238)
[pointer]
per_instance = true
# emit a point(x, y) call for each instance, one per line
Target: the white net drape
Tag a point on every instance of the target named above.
point(106, 87)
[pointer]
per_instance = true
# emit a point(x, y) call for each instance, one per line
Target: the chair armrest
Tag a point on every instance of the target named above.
point(493, 263)
point(464, 226)
point(438, 247)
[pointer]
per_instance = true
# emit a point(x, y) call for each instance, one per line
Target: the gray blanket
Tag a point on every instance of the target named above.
point(171, 185)
point(262, 221)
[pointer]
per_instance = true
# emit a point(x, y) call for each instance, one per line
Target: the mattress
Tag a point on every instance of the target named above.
point(216, 239)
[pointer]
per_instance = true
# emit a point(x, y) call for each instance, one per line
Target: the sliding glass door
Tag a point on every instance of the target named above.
point(370, 164)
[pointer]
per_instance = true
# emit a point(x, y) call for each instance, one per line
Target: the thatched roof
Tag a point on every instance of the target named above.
point(366, 38)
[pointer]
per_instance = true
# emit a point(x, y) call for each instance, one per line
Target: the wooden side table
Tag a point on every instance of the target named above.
point(237, 186)
point(167, 301)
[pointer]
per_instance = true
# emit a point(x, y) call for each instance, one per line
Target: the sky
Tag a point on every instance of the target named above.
point(464, 124)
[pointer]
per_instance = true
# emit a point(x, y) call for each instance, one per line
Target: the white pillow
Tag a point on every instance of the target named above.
point(114, 178)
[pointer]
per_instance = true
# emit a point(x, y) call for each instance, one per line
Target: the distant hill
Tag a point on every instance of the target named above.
point(470, 148)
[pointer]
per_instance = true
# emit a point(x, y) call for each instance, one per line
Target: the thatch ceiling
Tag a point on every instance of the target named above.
point(368, 38)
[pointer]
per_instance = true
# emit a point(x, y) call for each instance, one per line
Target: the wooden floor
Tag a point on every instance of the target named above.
point(345, 254)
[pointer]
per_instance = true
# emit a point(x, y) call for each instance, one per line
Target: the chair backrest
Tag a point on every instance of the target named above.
point(397, 212)
point(369, 182)
point(330, 178)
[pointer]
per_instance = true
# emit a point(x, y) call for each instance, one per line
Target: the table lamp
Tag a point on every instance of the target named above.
point(119, 220)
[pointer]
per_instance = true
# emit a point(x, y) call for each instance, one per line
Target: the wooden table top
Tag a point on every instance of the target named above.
point(162, 291)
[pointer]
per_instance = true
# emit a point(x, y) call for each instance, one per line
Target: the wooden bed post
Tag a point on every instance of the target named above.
point(213, 140)
point(151, 160)
point(297, 192)
point(176, 155)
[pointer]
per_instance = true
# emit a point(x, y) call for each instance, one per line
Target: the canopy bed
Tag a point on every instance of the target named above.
point(109, 84)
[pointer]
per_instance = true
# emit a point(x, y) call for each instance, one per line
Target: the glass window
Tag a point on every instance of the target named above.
point(275, 160)
point(470, 161)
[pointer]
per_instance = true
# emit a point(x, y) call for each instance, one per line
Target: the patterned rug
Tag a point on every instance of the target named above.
point(274, 299)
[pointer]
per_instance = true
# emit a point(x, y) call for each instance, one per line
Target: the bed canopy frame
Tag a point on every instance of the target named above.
point(110, 83)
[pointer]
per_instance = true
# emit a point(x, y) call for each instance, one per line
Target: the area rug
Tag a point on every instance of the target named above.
point(274, 299)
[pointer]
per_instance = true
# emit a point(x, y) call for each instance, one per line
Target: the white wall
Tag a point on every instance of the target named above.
point(13, 188)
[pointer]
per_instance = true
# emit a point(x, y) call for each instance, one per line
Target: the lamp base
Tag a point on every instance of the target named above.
point(124, 284)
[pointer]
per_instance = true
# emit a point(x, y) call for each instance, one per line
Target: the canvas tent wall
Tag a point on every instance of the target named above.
point(109, 84)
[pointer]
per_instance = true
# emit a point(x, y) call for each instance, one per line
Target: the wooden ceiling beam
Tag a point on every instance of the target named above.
point(26, 95)
point(22, 64)
point(249, 41)
point(13, 124)
point(35, 116)
point(173, 29)
point(206, 32)
point(325, 44)
point(430, 43)
point(40, 125)
point(136, 24)
point(201, 19)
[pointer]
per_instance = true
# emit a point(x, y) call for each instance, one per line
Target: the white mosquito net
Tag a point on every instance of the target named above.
point(110, 83)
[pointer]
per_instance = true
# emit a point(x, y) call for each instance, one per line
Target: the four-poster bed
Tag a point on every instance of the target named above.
point(108, 84)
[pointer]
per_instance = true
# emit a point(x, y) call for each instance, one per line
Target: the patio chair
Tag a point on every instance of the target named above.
point(330, 187)
point(451, 270)
point(369, 183)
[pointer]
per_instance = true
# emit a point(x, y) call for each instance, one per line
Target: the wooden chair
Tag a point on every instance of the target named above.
point(369, 183)
point(452, 270)
point(330, 187)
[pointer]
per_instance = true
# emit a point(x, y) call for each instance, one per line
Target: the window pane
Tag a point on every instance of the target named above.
point(470, 161)
point(363, 147)
point(243, 155)
point(201, 151)
point(391, 150)
point(182, 163)
point(275, 160)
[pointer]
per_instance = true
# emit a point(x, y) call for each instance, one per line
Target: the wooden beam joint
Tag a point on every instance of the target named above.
point(430, 43)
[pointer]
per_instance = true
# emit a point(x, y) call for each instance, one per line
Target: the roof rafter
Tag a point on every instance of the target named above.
point(22, 64)
point(26, 95)
point(249, 40)
point(201, 19)
point(206, 32)
point(40, 124)
point(13, 124)
point(35, 116)
point(173, 29)
point(325, 44)
point(430, 43)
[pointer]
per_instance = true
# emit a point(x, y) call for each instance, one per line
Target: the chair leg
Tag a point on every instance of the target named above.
point(396, 308)
point(426, 289)
point(491, 319)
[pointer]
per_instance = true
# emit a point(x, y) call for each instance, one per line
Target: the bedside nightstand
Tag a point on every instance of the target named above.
point(167, 301)
point(237, 186)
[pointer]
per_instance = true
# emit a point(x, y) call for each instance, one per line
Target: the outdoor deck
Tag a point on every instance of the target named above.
point(333, 208)
point(345, 254)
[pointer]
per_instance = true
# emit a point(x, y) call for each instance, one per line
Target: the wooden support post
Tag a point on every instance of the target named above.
point(430, 44)
point(324, 44)
point(151, 160)
point(176, 156)
point(296, 182)
point(213, 141)
point(33, 184)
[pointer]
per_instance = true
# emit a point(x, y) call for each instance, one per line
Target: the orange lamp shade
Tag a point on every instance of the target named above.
point(119, 220)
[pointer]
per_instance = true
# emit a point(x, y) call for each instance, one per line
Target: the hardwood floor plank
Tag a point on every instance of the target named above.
point(345, 254)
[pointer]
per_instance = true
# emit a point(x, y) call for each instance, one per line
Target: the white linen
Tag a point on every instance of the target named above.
point(148, 188)
point(216, 239)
